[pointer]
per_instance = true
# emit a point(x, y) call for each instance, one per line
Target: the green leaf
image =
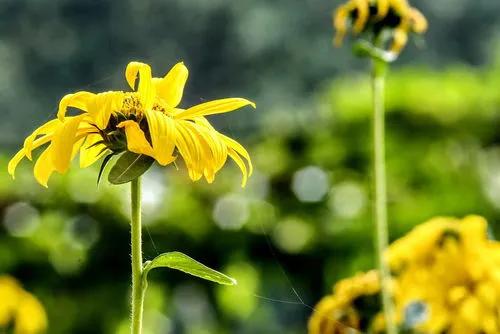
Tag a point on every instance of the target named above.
point(182, 262)
point(129, 167)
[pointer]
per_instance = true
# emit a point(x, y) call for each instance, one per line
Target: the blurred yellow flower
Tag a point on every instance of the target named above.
point(20, 308)
point(446, 279)
point(335, 313)
point(376, 15)
point(145, 121)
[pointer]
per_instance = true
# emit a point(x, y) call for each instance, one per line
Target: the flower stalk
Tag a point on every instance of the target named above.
point(138, 286)
point(380, 192)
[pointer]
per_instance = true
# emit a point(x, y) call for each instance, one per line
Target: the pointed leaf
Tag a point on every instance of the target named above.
point(103, 165)
point(129, 167)
point(182, 262)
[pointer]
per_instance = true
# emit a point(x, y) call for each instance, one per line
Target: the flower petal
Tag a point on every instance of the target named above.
point(44, 166)
point(46, 128)
point(214, 107)
point(238, 148)
point(162, 132)
point(76, 100)
point(363, 11)
point(136, 140)
point(171, 87)
point(63, 142)
point(145, 88)
point(103, 105)
point(189, 150)
point(382, 8)
point(91, 151)
point(232, 153)
point(11, 167)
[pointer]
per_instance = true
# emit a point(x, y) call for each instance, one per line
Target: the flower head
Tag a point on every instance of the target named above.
point(146, 120)
point(446, 278)
point(375, 16)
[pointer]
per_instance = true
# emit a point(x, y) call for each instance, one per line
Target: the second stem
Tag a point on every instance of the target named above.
point(138, 288)
point(380, 207)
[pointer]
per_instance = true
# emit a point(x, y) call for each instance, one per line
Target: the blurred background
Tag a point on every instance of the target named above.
point(303, 221)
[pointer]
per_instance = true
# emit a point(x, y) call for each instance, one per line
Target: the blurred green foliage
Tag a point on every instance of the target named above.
point(302, 222)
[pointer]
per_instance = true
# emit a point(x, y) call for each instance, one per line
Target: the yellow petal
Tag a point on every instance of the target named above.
point(400, 6)
point(44, 166)
point(188, 148)
point(382, 8)
point(418, 21)
point(77, 100)
point(238, 148)
point(171, 87)
point(400, 38)
point(340, 23)
point(46, 128)
point(90, 151)
point(232, 153)
point(136, 140)
point(363, 11)
point(214, 107)
point(30, 316)
point(162, 132)
point(103, 105)
point(11, 168)
point(145, 88)
point(16, 159)
point(63, 142)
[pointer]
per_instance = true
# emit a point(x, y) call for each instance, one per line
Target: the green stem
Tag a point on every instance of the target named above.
point(138, 287)
point(380, 207)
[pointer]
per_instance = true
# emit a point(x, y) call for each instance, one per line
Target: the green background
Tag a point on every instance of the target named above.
point(304, 220)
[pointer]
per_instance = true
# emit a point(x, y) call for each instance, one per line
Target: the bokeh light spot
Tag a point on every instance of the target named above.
point(347, 199)
point(231, 212)
point(21, 219)
point(310, 184)
point(293, 235)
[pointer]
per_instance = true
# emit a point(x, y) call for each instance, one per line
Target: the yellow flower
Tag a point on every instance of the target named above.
point(21, 308)
point(446, 279)
point(145, 121)
point(376, 15)
point(335, 313)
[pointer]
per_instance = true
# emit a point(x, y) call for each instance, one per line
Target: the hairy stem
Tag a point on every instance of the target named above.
point(138, 288)
point(380, 207)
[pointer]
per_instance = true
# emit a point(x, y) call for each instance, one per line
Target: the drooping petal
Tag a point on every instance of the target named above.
point(188, 148)
point(400, 38)
point(91, 150)
point(171, 87)
point(46, 128)
point(418, 21)
point(340, 23)
point(214, 140)
point(363, 12)
point(400, 6)
point(162, 132)
point(145, 89)
point(63, 141)
point(76, 100)
point(44, 166)
point(214, 107)
point(11, 167)
point(382, 8)
point(103, 105)
point(136, 140)
point(208, 146)
point(16, 159)
point(238, 148)
point(232, 153)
